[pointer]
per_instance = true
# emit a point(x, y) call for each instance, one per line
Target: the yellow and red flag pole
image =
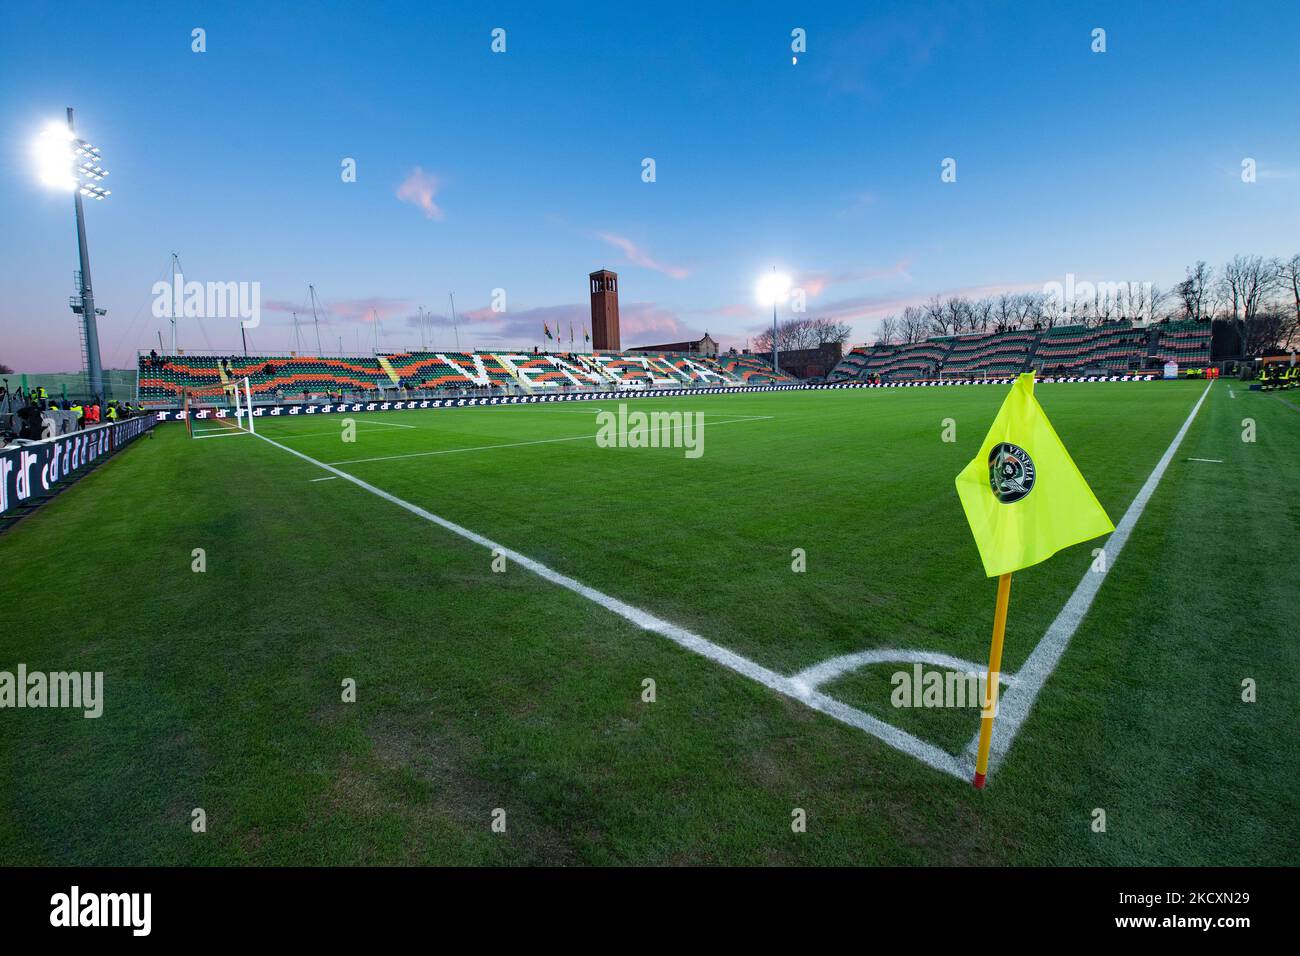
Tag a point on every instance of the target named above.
point(993, 679)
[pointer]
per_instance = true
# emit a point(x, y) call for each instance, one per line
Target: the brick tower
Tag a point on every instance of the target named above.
point(604, 311)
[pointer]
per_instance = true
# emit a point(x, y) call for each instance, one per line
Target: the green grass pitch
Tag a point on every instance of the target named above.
point(479, 690)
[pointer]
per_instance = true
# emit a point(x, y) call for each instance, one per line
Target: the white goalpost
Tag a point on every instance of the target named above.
point(207, 422)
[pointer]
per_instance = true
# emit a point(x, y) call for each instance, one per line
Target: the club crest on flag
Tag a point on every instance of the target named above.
point(1011, 472)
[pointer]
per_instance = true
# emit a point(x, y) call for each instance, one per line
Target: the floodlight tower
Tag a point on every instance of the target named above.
point(72, 164)
point(774, 288)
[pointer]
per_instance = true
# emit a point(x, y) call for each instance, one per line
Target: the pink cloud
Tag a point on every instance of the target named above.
point(418, 189)
point(814, 283)
point(638, 256)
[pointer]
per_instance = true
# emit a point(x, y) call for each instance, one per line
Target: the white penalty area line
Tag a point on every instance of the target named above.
point(1015, 705)
point(790, 687)
point(1213, 461)
point(520, 444)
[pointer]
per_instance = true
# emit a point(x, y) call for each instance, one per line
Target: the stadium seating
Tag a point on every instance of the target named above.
point(1076, 348)
point(288, 374)
point(850, 366)
point(163, 380)
point(906, 362)
point(1187, 343)
point(751, 370)
point(994, 354)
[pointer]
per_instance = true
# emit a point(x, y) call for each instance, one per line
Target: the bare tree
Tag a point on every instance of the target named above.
point(1246, 283)
point(830, 332)
point(1053, 310)
point(1194, 292)
point(887, 331)
point(957, 311)
point(936, 316)
point(981, 315)
point(912, 325)
point(1005, 316)
point(1288, 277)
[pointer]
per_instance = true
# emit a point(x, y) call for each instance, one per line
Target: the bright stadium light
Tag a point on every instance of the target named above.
point(55, 156)
point(773, 289)
point(69, 164)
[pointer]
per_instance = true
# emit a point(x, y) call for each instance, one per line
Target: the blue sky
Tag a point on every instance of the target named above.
point(1121, 166)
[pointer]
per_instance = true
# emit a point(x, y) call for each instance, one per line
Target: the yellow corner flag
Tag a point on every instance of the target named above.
point(1023, 496)
point(1025, 500)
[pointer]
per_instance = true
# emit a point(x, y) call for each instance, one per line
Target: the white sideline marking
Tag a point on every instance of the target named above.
point(1231, 393)
point(1215, 461)
point(1017, 702)
point(825, 672)
point(516, 444)
point(326, 478)
point(222, 433)
point(891, 735)
point(385, 424)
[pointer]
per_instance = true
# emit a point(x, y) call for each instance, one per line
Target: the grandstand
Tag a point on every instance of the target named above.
point(1187, 343)
point(163, 380)
point(1110, 349)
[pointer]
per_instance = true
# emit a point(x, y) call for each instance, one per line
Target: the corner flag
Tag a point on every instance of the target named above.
point(1023, 496)
point(1025, 500)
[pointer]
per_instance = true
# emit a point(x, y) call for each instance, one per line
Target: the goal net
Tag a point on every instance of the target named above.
point(217, 418)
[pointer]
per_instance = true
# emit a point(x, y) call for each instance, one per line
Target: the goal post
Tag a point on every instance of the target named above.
point(216, 421)
point(248, 405)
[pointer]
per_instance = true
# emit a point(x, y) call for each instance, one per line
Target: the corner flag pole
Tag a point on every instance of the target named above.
point(993, 679)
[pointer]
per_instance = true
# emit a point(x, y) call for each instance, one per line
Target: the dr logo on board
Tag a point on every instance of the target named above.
point(1011, 472)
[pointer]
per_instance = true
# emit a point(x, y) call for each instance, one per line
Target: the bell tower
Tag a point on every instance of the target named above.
point(604, 311)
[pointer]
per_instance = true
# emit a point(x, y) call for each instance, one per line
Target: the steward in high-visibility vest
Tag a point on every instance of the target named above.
point(112, 413)
point(81, 414)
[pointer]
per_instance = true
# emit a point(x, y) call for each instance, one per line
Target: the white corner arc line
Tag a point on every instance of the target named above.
point(1015, 705)
point(819, 674)
point(901, 740)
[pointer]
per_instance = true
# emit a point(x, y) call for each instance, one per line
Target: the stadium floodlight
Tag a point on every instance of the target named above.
point(55, 156)
point(69, 164)
point(774, 288)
